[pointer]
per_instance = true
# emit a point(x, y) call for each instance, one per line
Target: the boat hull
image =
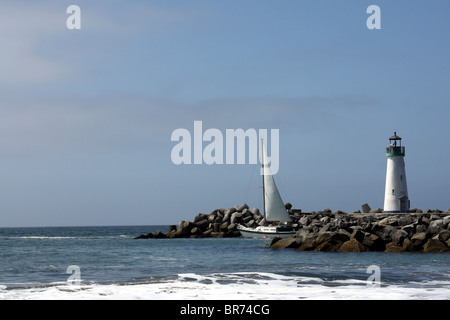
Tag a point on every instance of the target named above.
point(264, 232)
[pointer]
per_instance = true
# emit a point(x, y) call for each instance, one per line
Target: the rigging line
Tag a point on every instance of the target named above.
point(249, 186)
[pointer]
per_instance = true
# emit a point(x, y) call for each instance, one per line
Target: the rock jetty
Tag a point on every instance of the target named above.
point(377, 231)
point(326, 230)
point(220, 223)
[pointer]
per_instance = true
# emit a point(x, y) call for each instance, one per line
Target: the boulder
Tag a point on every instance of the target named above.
point(224, 226)
point(444, 235)
point(159, 235)
point(352, 245)
point(335, 240)
point(421, 228)
point(206, 233)
point(383, 231)
point(200, 217)
point(242, 207)
point(226, 217)
point(391, 221)
point(373, 242)
point(289, 242)
point(397, 236)
point(410, 229)
point(365, 208)
point(149, 235)
point(305, 220)
point(202, 225)
point(390, 247)
point(358, 235)
point(435, 226)
point(306, 240)
point(418, 240)
point(435, 245)
point(405, 220)
point(184, 229)
point(217, 234)
point(232, 234)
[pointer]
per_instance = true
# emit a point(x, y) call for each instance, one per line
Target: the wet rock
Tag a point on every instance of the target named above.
point(352, 245)
point(289, 242)
point(373, 242)
point(390, 247)
point(159, 235)
point(358, 235)
point(435, 245)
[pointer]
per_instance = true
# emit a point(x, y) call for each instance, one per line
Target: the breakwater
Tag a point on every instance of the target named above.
point(425, 231)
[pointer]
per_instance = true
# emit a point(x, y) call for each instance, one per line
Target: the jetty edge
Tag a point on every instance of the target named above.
point(338, 231)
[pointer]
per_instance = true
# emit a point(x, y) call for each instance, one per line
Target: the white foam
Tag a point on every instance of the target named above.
point(235, 286)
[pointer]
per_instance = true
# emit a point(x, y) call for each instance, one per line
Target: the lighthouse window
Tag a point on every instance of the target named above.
point(401, 177)
point(393, 191)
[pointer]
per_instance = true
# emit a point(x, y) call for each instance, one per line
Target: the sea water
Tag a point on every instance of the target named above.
point(108, 263)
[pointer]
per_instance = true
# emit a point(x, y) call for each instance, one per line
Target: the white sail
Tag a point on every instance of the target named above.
point(273, 204)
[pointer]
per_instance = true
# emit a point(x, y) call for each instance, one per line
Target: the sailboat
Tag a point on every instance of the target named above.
point(277, 222)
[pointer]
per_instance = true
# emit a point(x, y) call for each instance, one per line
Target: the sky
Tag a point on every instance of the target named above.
point(86, 115)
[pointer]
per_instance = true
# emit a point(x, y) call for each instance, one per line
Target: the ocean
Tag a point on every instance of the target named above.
point(77, 263)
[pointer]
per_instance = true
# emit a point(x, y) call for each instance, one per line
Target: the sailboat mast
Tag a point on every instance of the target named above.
point(264, 172)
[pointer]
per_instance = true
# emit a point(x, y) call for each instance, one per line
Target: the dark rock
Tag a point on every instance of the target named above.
point(444, 235)
point(159, 235)
point(224, 226)
point(217, 234)
point(420, 228)
point(410, 229)
point(232, 234)
point(216, 227)
point(242, 207)
point(172, 228)
point(207, 233)
point(373, 242)
point(202, 225)
point(305, 220)
point(149, 235)
point(358, 235)
point(418, 240)
point(397, 236)
point(231, 226)
point(200, 217)
point(333, 243)
point(365, 208)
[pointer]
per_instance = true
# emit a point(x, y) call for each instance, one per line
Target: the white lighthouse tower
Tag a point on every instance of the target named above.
point(396, 193)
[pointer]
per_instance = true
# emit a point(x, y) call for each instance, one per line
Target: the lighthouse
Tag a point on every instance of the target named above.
point(396, 193)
